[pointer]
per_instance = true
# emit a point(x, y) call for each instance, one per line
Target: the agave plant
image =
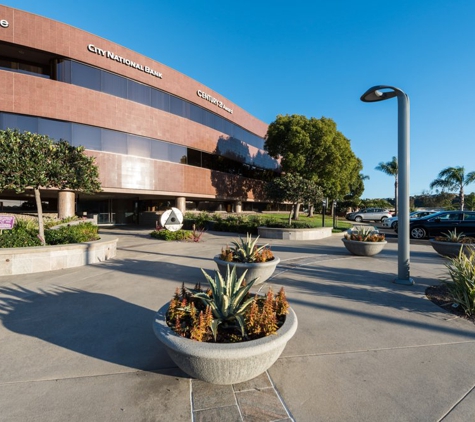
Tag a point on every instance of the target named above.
point(247, 250)
point(364, 234)
point(228, 300)
point(462, 285)
point(454, 237)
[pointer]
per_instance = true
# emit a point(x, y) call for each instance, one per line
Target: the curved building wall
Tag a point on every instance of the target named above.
point(129, 131)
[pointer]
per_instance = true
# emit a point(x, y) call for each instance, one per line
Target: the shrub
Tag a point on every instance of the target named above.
point(23, 234)
point(170, 236)
point(462, 284)
point(84, 232)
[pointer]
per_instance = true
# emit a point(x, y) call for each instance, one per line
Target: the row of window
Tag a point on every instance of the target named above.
point(100, 80)
point(28, 69)
point(99, 139)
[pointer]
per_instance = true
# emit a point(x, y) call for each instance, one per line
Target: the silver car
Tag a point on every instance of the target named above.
point(369, 214)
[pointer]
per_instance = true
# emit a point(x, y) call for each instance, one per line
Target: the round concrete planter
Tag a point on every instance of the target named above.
point(452, 249)
point(294, 234)
point(363, 248)
point(224, 363)
point(263, 270)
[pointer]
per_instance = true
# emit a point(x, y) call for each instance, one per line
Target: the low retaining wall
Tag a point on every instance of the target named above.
point(294, 234)
point(14, 261)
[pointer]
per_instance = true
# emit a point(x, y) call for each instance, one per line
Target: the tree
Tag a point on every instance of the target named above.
point(32, 161)
point(470, 201)
point(454, 178)
point(295, 189)
point(315, 150)
point(352, 199)
point(434, 200)
point(391, 169)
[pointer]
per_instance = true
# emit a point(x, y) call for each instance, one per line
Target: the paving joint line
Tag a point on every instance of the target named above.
point(379, 349)
point(135, 371)
point(456, 404)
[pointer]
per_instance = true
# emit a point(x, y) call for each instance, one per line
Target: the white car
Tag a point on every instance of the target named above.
point(369, 214)
point(392, 222)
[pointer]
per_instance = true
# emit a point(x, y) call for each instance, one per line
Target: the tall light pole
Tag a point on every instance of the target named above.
point(381, 93)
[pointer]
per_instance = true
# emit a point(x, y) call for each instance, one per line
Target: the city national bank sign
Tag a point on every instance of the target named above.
point(110, 55)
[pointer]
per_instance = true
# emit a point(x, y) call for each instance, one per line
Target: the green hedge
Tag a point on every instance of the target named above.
point(25, 233)
point(78, 233)
point(168, 235)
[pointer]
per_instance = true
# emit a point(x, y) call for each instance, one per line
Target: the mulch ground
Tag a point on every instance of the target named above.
point(439, 295)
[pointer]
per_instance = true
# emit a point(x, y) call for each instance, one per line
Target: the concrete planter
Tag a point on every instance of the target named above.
point(14, 261)
point(294, 234)
point(363, 248)
point(452, 249)
point(263, 270)
point(224, 363)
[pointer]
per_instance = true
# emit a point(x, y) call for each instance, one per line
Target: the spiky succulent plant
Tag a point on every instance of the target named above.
point(246, 250)
point(229, 300)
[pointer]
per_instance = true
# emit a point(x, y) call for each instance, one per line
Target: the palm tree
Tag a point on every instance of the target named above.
point(391, 169)
point(454, 178)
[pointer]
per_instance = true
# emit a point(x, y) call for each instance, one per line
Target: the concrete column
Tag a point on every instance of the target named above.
point(180, 203)
point(66, 204)
point(238, 206)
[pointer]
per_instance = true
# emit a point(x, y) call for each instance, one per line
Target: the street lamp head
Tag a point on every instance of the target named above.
point(376, 93)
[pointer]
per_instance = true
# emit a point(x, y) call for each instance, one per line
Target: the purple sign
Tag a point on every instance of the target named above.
point(7, 222)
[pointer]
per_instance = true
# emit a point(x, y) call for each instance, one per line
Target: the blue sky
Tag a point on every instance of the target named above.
point(316, 58)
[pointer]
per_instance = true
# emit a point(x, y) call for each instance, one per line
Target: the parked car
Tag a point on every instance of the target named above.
point(392, 222)
point(442, 222)
point(369, 214)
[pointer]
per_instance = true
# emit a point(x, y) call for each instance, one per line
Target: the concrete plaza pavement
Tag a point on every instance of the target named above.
point(78, 345)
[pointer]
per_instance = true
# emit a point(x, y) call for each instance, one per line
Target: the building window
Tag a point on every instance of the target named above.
point(101, 80)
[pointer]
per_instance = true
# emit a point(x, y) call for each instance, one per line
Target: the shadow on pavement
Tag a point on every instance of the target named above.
point(97, 325)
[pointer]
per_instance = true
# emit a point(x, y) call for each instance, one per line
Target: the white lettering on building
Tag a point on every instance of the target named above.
point(213, 100)
point(112, 56)
point(4, 23)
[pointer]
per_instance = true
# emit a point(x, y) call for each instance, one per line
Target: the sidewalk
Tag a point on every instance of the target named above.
point(78, 345)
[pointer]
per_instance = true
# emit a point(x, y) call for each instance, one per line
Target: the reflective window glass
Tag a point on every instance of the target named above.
point(87, 136)
point(139, 93)
point(193, 157)
point(19, 122)
point(160, 100)
point(196, 113)
point(159, 151)
point(177, 154)
point(209, 161)
point(186, 109)
point(209, 119)
point(137, 145)
point(228, 128)
point(55, 129)
point(114, 141)
point(86, 76)
point(63, 71)
point(176, 106)
point(113, 84)
point(219, 124)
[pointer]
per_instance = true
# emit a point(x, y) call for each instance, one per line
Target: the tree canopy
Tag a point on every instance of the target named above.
point(315, 150)
point(294, 189)
point(391, 169)
point(454, 178)
point(32, 161)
